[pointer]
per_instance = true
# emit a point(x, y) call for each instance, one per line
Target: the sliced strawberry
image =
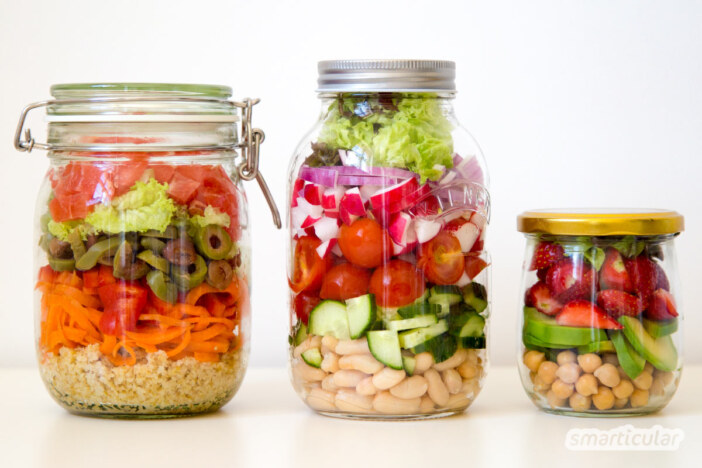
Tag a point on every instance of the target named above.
point(642, 272)
point(661, 278)
point(586, 314)
point(540, 297)
point(545, 255)
point(613, 274)
point(662, 306)
point(541, 274)
point(569, 280)
point(617, 303)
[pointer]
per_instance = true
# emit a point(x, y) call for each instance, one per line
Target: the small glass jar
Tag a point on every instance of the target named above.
point(601, 320)
point(389, 279)
point(143, 248)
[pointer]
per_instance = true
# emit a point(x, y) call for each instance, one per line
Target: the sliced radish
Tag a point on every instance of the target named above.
point(404, 249)
point(313, 193)
point(394, 193)
point(297, 187)
point(332, 197)
point(304, 210)
point(466, 233)
point(331, 214)
point(367, 191)
point(326, 229)
point(400, 229)
point(353, 202)
point(463, 280)
point(426, 229)
point(309, 222)
point(346, 217)
point(409, 200)
point(479, 220)
point(336, 250)
point(326, 247)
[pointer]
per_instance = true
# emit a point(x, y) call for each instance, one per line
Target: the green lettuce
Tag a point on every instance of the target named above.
point(62, 230)
point(211, 215)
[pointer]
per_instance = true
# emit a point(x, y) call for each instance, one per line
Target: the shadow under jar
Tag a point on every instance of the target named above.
point(388, 276)
point(143, 257)
point(601, 322)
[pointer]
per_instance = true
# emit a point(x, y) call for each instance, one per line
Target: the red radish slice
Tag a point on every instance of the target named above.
point(346, 217)
point(426, 229)
point(313, 193)
point(336, 250)
point(409, 200)
point(309, 222)
point(400, 229)
point(463, 280)
point(332, 197)
point(402, 250)
point(331, 214)
point(326, 247)
point(479, 220)
point(304, 210)
point(326, 229)
point(466, 233)
point(394, 194)
point(319, 175)
point(353, 202)
point(297, 187)
point(368, 191)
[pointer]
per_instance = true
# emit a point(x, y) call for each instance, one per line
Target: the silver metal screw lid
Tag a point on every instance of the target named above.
point(345, 76)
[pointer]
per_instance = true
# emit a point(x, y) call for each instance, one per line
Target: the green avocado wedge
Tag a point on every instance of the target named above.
point(546, 330)
point(658, 328)
point(631, 361)
point(597, 347)
point(660, 351)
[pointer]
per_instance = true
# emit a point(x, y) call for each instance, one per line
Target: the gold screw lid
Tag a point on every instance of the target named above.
point(601, 222)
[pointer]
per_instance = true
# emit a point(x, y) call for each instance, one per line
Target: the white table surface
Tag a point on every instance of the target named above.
point(266, 425)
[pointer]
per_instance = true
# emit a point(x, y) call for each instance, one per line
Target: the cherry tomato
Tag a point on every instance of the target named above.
point(474, 265)
point(303, 305)
point(441, 259)
point(344, 282)
point(365, 243)
point(308, 267)
point(123, 303)
point(396, 284)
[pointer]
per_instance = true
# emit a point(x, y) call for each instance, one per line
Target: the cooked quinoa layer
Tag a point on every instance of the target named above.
point(82, 380)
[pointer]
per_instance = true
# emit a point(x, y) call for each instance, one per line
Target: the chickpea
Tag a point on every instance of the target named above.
point(623, 390)
point(532, 376)
point(468, 370)
point(649, 368)
point(564, 357)
point(533, 359)
point(561, 389)
point(607, 375)
point(657, 387)
point(554, 401)
point(639, 398)
point(586, 385)
point(579, 402)
point(569, 372)
point(540, 385)
point(622, 373)
point(666, 377)
point(620, 402)
point(589, 362)
point(547, 372)
point(610, 358)
point(603, 399)
point(643, 381)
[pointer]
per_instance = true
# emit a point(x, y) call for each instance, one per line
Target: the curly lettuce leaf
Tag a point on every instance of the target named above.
point(62, 230)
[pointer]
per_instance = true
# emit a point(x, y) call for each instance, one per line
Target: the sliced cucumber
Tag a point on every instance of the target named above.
point(441, 347)
point(384, 345)
point(412, 338)
point(423, 308)
point(445, 297)
point(361, 313)
point(312, 357)
point(300, 334)
point(414, 322)
point(468, 324)
point(472, 342)
point(329, 318)
point(475, 295)
point(409, 363)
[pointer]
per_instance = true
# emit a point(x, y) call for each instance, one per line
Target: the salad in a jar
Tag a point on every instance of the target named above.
point(144, 291)
point(388, 277)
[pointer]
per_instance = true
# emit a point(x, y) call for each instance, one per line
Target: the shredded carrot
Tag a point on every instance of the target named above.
point(181, 347)
point(69, 278)
point(78, 295)
point(209, 333)
point(165, 320)
point(108, 345)
point(181, 310)
point(206, 357)
point(212, 346)
point(158, 337)
point(208, 320)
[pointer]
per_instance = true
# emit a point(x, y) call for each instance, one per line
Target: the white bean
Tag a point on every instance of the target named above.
point(308, 373)
point(366, 387)
point(427, 405)
point(330, 362)
point(452, 380)
point(359, 346)
point(361, 362)
point(437, 390)
point(386, 403)
point(348, 378)
point(411, 387)
point(328, 383)
point(472, 356)
point(458, 401)
point(454, 361)
point(321, 400)
point(349, 400)
point(329, 344)
point(471, 387)
point(423, 361)
point(387, 378)
point(309, 343)
point(467, 369)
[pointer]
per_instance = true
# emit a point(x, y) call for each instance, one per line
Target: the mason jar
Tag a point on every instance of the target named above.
point(143, 258)
point(601, 319)
point(388, 206)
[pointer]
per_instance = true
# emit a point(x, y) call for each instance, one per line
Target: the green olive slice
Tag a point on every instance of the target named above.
point(154, 260)
point(213, 242)
point(77, 245)
point(104, 248)
point(219, 274)
point(171, 232)
point(164, 290)
point(188, 277)
point(126, 265)
point(152, 243)
point(62, 264)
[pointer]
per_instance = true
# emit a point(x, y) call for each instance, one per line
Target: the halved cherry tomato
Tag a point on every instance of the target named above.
point(474, 265)
point(365, 243)
point(396, 284)
point(303, 305)
point(123, 303)
point(308, 267)
point(441, 259)
point(91, 278)
point(344, 282)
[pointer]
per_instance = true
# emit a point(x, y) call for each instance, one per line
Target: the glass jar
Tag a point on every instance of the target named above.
point(389, 281)
point(601, 321)
point(143, 250)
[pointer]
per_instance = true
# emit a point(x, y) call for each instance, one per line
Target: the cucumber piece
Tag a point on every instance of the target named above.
point(361, 314)
point(414, 322)
point(445, 297)
point(409, 363)
point(472, 342)
point(423, 308)
point(658, 328)
point(384, 345)
point(441, 347)
point(468, 324)
point(412, 338)
point(300, 334)
point(329, 318)
point(312, 357)
point(631, 361)
point(475, 295)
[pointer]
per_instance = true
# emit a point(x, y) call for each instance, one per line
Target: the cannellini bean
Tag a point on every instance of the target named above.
point(533, 358)
point(473, 356)
point(603, 399)
point(328, 384)
point(657, 387)
point(366, 387)
point(579, 402)
point(311, 385)
point(607, 375)
point(589, 362)
point(385, 402)
point(639, 398)
point(349, 400)
point(426, 405)
point(562, 390)
point(586, 385)
point(321, 400)
point(329, 344)
point(330, 362)
point(309, 343)
point(623, 390)
point(471, 387)
point(620, 402)
point(454, 361)
point(452, 380)
point(569, 372)
point(643, 381)
point(564, 357)
point(387, 378)
point(554, 401)
point(360, 362)
point(547, 372)
point(411, 387)
point(423, 361)
point(348, 378)
point(436, 390)
point(359, 346)
point(307, 372)
point(458, 401)
point(467, 369)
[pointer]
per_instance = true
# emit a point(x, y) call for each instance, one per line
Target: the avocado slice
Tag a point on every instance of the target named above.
point(546, 330)
point(631, 361)
point(658, 328)
point(660, 351)
point(597, 347)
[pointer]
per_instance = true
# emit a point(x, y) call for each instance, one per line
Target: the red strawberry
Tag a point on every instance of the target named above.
point(613, 274)
point(540, 297)
point(617, 303)
point(569, 281)
point(662, 306)
point(642, 272)
point(586, 314)
point(661, 278)
point(545, 255)
point(541, 274)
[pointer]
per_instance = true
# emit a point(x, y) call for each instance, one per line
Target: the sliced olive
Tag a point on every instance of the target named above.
point(188, 277)
point(91, 240)
point(154, 260)
point(98, 252)
point(171, 232)
point(62, 264)
point(180, 251)
point(219, 274)
point(126, 265)
point(76, 244)
point(152, 243)
point(60, 249)
point(164, 290)
point(213, 242)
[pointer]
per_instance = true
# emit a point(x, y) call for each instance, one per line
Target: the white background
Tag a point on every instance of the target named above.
point(574, 104)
